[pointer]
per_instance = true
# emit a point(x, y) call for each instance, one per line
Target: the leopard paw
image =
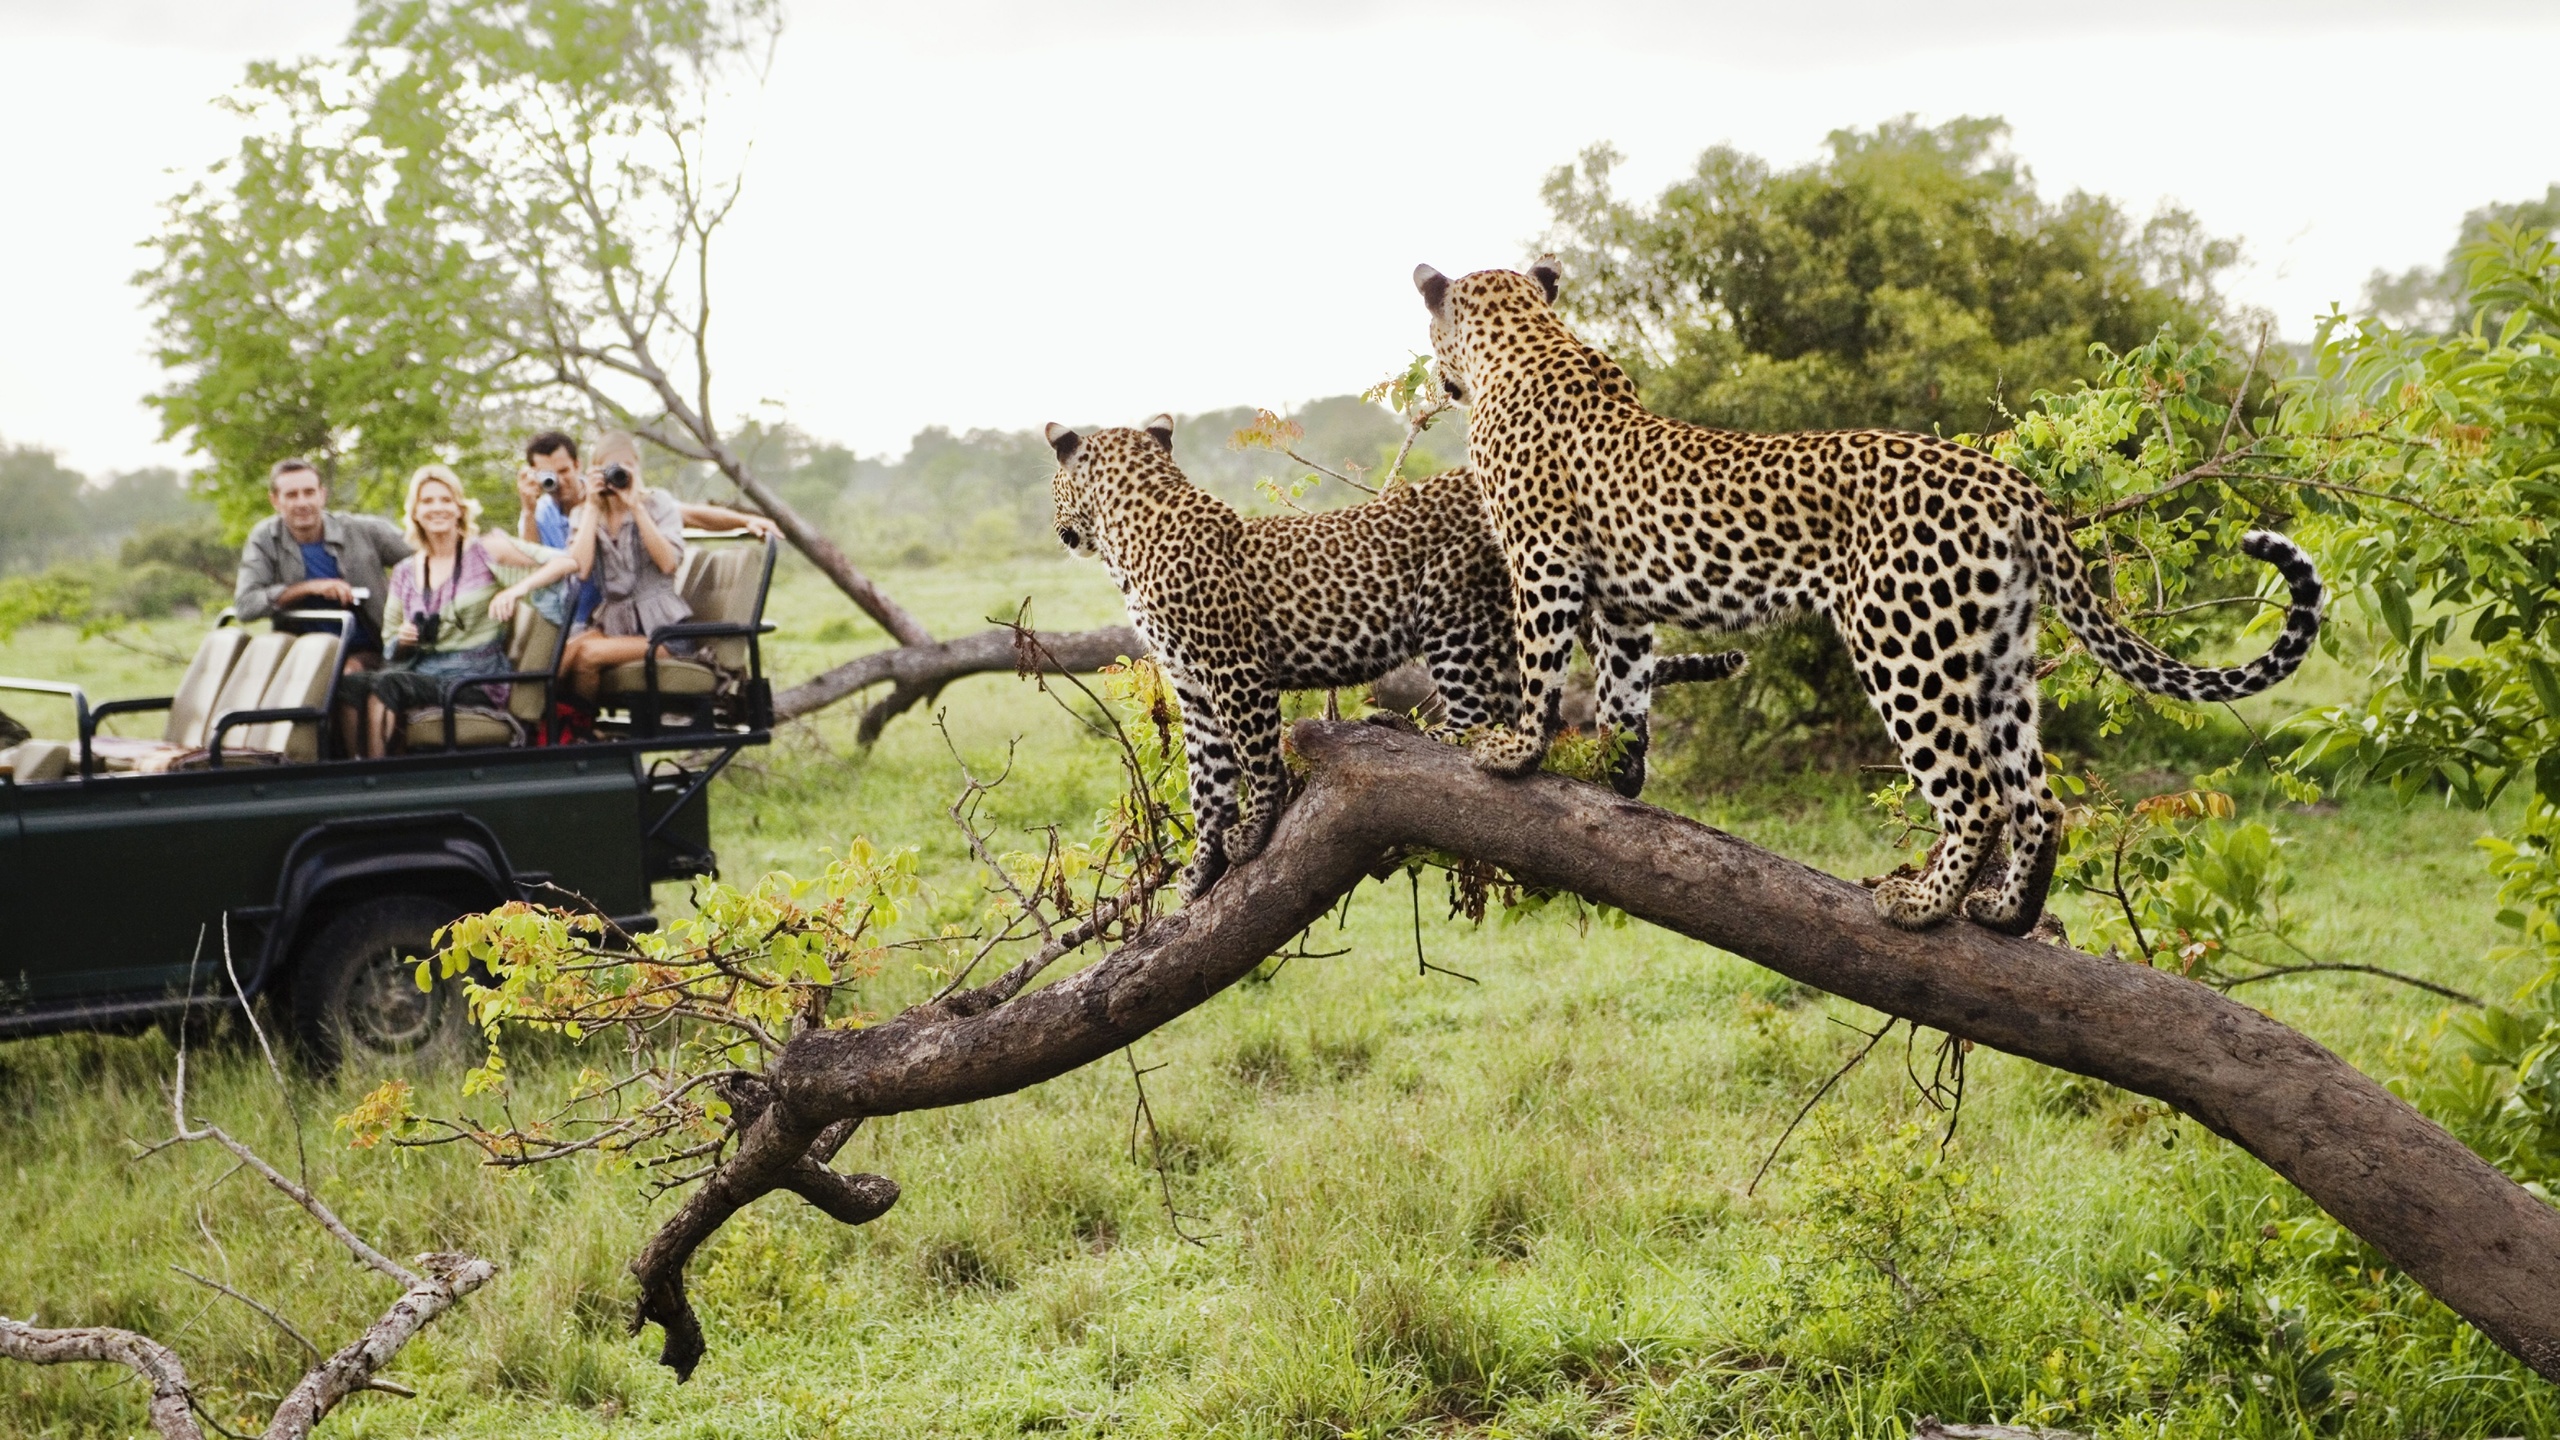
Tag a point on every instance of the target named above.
point(1904, 904)
point(1207, 864)
point(1985, 908)
point(1248, 836)
point(1627, 775)
point(1507, 752)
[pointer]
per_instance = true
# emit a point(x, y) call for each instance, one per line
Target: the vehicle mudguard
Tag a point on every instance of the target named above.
point(442, 852)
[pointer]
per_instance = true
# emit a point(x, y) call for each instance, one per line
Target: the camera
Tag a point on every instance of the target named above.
point(550, 483)
point(429, 623)
point(617, 477)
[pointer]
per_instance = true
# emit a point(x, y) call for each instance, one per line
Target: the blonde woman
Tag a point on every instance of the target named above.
point(629, 540)
point(449, 611)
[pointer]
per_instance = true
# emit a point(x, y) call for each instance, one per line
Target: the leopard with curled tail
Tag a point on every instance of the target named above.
point(1928, 557)
point(1240, 608)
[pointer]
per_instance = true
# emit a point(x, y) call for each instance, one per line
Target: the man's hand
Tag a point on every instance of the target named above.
point(337, 592)
point(760, 526)
point(529, 486)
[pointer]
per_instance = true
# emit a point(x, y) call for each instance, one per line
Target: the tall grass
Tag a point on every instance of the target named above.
point(1417, 1206)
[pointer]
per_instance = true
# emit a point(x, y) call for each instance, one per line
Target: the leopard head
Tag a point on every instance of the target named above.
point(1465, 309)
point(1087, 466)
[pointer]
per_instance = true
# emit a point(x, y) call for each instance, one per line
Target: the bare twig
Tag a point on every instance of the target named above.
point(1816, 1099)
point(2275, 971)
point(261, 1307)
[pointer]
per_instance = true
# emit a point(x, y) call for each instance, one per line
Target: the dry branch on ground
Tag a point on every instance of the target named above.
point(436, 1284)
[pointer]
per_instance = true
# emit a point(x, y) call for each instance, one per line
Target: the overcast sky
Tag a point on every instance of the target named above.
point(1001, 212)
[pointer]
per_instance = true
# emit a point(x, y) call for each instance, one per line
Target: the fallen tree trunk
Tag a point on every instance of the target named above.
point(916, 673)
point(2472, 1237)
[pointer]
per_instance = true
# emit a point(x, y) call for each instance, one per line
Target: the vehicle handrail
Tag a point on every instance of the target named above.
point(89, 723)
point(698, 630)
point(258, 717)
point(79, 706)
point(454, 688)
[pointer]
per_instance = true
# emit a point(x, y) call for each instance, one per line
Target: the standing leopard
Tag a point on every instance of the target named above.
point(1926, 556)
point(1239, 609)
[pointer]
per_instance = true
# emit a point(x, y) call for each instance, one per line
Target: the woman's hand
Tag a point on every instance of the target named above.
point(502, 606)
point(408, 635)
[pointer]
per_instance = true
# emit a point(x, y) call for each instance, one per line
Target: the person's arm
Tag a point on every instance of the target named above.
point(582, 536)
point(528, 499)
point(548, 566)
point(259, 590)
point(722, 518)
point(665, 551)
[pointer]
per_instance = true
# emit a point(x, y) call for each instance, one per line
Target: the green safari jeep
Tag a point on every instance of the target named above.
point(237, 857)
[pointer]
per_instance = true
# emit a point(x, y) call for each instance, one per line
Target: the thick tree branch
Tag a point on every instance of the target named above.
point(106, 1345)
point(918, 672)
point(2474, 1238)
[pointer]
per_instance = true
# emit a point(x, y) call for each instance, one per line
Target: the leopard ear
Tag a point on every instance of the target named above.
point(1548, 274)
point(1161, 427)
point(1433, 285)
point(1063, 440)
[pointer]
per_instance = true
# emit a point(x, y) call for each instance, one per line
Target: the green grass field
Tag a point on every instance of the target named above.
point(1409, 1204)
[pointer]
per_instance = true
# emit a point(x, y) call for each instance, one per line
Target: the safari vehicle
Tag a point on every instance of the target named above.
point(237, 857)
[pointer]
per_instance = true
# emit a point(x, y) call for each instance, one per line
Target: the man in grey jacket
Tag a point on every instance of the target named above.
point(308, 557)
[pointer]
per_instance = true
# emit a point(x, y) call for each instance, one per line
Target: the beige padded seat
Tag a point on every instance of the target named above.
point(245, 688)
point(532, 642)
point(190, 707)
point(719, 580)
point(36, 762)
point(302, 681)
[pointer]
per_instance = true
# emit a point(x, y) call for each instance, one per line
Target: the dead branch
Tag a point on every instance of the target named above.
point(917, 673)
point(106, 1345)
point(2470, 1235)
point(439, 1282)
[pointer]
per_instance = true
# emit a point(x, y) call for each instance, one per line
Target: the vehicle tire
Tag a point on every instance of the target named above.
point(355, 993)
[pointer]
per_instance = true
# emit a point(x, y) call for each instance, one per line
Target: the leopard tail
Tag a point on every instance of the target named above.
point(2066, 582)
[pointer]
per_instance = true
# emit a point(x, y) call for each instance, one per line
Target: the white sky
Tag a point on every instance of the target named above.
point(1000, 212)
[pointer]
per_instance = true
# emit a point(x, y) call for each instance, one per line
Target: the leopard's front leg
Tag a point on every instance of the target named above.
point(1209, 759)
point(1546, 613)
point(1622, 660)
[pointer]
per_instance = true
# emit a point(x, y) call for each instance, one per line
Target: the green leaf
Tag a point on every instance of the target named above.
point(2394, 602)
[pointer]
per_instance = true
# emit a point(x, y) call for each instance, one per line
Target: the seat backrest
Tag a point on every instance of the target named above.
point(532, 641)
point(246, 686)
point(191, 704)
point(301, 679)
point(725, 584)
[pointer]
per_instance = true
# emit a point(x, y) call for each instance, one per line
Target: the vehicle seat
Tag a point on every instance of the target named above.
point(723, 580)
point(533, 643)
point(190, 707)
point(243, 689)
point(302, 681)
point(36, 762)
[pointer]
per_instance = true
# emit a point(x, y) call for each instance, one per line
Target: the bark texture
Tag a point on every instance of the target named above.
point(916, 673)
point(2474, 1238)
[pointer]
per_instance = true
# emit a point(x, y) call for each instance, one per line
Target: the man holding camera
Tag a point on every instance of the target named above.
point(309, 557)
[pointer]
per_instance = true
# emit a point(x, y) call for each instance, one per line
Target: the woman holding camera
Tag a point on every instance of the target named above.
point(629, 540)
point(453, 611)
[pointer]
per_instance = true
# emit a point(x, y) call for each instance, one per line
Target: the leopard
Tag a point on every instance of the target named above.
point(1928, 558)
point(1238, 609)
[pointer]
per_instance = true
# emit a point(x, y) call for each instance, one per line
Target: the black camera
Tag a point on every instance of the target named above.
point(617, 477)
point(429, 623)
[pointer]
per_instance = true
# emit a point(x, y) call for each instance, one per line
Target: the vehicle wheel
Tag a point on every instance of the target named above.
point(356, 997)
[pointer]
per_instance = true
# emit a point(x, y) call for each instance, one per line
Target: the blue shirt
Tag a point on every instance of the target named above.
point(319, 564)
point(549, 523)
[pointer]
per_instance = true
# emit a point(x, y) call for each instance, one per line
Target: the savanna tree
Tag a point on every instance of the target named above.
point(475, 212)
